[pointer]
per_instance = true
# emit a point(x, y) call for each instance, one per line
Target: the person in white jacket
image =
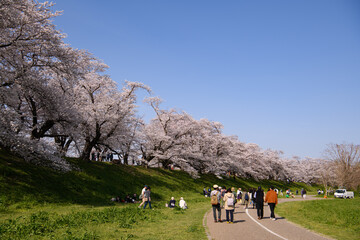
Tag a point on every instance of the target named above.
point(229, 200)
point(182, 203)
point(142, 196)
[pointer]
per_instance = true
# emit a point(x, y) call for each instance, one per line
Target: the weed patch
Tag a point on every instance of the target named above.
point(45, 223)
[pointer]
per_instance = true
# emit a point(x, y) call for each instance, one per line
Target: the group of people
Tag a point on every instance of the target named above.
point(227, 199)
point(145, 196)
point(221, 197)
point(172, 203)
point(103, 156)
point(128, 199)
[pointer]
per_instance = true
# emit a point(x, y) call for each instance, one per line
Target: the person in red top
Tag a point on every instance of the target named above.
point(272, 199)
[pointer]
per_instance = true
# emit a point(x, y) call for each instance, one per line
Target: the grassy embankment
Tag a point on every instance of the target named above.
point(39, 203)
point(338, 218)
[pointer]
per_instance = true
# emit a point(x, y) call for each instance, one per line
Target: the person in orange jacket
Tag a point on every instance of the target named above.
point(272, 199)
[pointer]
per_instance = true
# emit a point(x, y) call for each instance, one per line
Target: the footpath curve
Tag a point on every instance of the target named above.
point(246, 225)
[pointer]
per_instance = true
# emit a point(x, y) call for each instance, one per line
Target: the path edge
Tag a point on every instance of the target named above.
point(205, 225)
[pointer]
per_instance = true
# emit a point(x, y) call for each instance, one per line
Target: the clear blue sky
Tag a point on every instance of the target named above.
point(282, 74)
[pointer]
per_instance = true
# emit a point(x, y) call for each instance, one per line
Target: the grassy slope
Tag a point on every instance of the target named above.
point(37, 203)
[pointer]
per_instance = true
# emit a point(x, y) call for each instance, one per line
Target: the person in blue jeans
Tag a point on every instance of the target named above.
point(147, 197)
point(216, 205)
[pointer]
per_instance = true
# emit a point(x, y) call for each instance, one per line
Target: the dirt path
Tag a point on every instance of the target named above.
point(246, 225)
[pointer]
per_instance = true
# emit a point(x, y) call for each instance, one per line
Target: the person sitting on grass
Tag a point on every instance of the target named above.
point(172, 203)
point(134, 198)
point(182, 203)
point(205, 192)
point(128, 199)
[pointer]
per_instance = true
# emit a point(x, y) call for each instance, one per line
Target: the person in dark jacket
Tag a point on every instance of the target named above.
point(253, 198)
point(260, 203)
point(172, 203)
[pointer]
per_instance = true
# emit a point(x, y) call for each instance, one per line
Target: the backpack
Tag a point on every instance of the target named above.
point(230, 202)
point(246, 196)
point(214, 199)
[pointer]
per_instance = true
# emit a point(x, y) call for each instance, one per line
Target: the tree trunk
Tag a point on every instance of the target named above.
point(89, 144)
point(85, 155)
point(63, 144)
point(126, 159)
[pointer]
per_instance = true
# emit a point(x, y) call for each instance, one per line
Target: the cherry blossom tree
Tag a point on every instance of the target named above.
point(104, 111)
point(34, 60)
point(38, 71)
point(173, 138)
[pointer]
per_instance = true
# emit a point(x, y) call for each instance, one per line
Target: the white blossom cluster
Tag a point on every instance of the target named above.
point(36, 152)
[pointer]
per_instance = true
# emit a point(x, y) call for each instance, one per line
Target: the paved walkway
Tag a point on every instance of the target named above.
point(247, 226)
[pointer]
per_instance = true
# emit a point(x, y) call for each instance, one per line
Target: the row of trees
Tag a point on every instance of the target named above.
point(56, 100)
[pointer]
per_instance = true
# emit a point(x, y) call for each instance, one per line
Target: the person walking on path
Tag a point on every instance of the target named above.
point(229, 202)
point(222, 191)
point(272, 199)
point(260, 203)
point(303, 193)
point(142, 196)
point(215, 197)
point(239, 195)
point(233, 190)
point(246, 200)
point(147, 197)
point(253, 197)
point(250, 196)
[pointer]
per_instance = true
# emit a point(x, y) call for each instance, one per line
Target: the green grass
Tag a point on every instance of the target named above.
point(39, 203)
point(338, 218)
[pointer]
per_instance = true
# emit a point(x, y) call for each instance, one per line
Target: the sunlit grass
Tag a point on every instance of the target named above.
point(338, 218)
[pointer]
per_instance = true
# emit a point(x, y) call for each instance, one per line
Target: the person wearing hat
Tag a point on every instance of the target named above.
point(215, 197)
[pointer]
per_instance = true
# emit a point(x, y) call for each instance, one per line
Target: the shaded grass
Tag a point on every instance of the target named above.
point(338, 218)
